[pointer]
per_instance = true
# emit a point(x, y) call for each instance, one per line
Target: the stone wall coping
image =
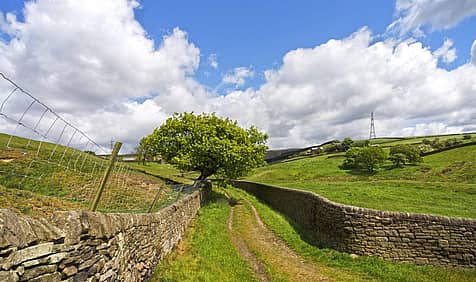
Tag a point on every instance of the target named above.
point(19, 231)
point(407, 216)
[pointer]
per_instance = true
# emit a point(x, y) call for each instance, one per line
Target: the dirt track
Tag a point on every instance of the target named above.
point(269, 257)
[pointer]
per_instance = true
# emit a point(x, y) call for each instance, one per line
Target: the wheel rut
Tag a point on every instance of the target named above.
point(258, 267)
point(269, 256)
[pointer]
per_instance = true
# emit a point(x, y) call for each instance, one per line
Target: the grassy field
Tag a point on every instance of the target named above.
point(36, 177)
point(444, 184)
point(419, 139)
point(206, 253)
point(363, 268)
point(166, 171)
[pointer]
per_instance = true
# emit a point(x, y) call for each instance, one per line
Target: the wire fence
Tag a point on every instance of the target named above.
point(42, 153)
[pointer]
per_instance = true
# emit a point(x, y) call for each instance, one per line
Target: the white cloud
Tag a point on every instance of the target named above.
point(445, 52)
point(441, 14)
point(104, 57)
point(213, 60)
point(92, 61)
point(329, 91)
point(473, 52)
point(88, 57)
point(238, 76)
point(424, 129)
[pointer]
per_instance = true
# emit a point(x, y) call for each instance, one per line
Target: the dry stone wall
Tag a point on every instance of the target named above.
point(86, 246)
point(397, 236)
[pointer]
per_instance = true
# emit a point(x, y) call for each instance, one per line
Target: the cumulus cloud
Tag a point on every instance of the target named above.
point(445, 52)
point(442, 14)
point(329, 91)
point(94, 63)
point(473, 52)
point(88, 57)
point(238, 76)
point(213, 60)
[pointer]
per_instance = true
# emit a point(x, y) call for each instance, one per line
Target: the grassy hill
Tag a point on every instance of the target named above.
point(37, 179)
point(444, 184)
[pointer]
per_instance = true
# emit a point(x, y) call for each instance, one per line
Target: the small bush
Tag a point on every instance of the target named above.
point(399, 159)
point(426, 141)
point(347, 143)
point(367, 158)
point(361, 143)
point(452, 142)
point(437, 144)
point(403, 154)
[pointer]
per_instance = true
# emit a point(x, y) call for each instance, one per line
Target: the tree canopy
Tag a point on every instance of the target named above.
point(403, 154)
point(208, 144)
point(368, 158)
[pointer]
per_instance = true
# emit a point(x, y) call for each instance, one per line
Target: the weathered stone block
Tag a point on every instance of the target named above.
point(26, 254)
point(87, 264)
point(50, 277)
point(80, 276)
point(7, 251)
point(443, 243)
point(21, 231)
point(8, 276)
point(70, 271)
point(38, 271)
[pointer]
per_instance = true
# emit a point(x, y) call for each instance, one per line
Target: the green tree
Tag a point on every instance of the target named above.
point(368, 158)
point(403, 154)
point(437, 144)
point(208, 144)
point(361, 143)
point(143, 151)
point(371, 158)
point(350, 155)
point(347, 143)
point(452, 142)
point(398, 159)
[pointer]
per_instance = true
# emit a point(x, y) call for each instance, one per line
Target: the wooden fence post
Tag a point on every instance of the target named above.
point(156, 198)
point(114, 153)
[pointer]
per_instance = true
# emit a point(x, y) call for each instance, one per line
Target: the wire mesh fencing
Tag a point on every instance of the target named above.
point(50, 158)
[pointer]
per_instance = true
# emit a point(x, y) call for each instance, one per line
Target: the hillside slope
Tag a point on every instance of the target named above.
point(443, 184)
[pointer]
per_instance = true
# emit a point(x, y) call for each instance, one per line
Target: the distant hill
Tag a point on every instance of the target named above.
point(273, 156)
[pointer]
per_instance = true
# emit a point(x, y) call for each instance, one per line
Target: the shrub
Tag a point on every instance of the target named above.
point(452, 142)
point(436, 144)
point(403, 154)
point(361, 143)
point(347, 143)
point(398, 159)
point(367, 158)
point(424, 148)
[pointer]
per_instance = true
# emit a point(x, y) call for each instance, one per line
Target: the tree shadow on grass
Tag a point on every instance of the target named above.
point(214, 197)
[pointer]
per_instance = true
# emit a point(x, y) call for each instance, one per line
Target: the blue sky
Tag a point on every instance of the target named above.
point(303, 71)
point(259, 33)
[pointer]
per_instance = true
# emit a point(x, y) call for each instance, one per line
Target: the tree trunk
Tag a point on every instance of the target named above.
point(200, 179)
